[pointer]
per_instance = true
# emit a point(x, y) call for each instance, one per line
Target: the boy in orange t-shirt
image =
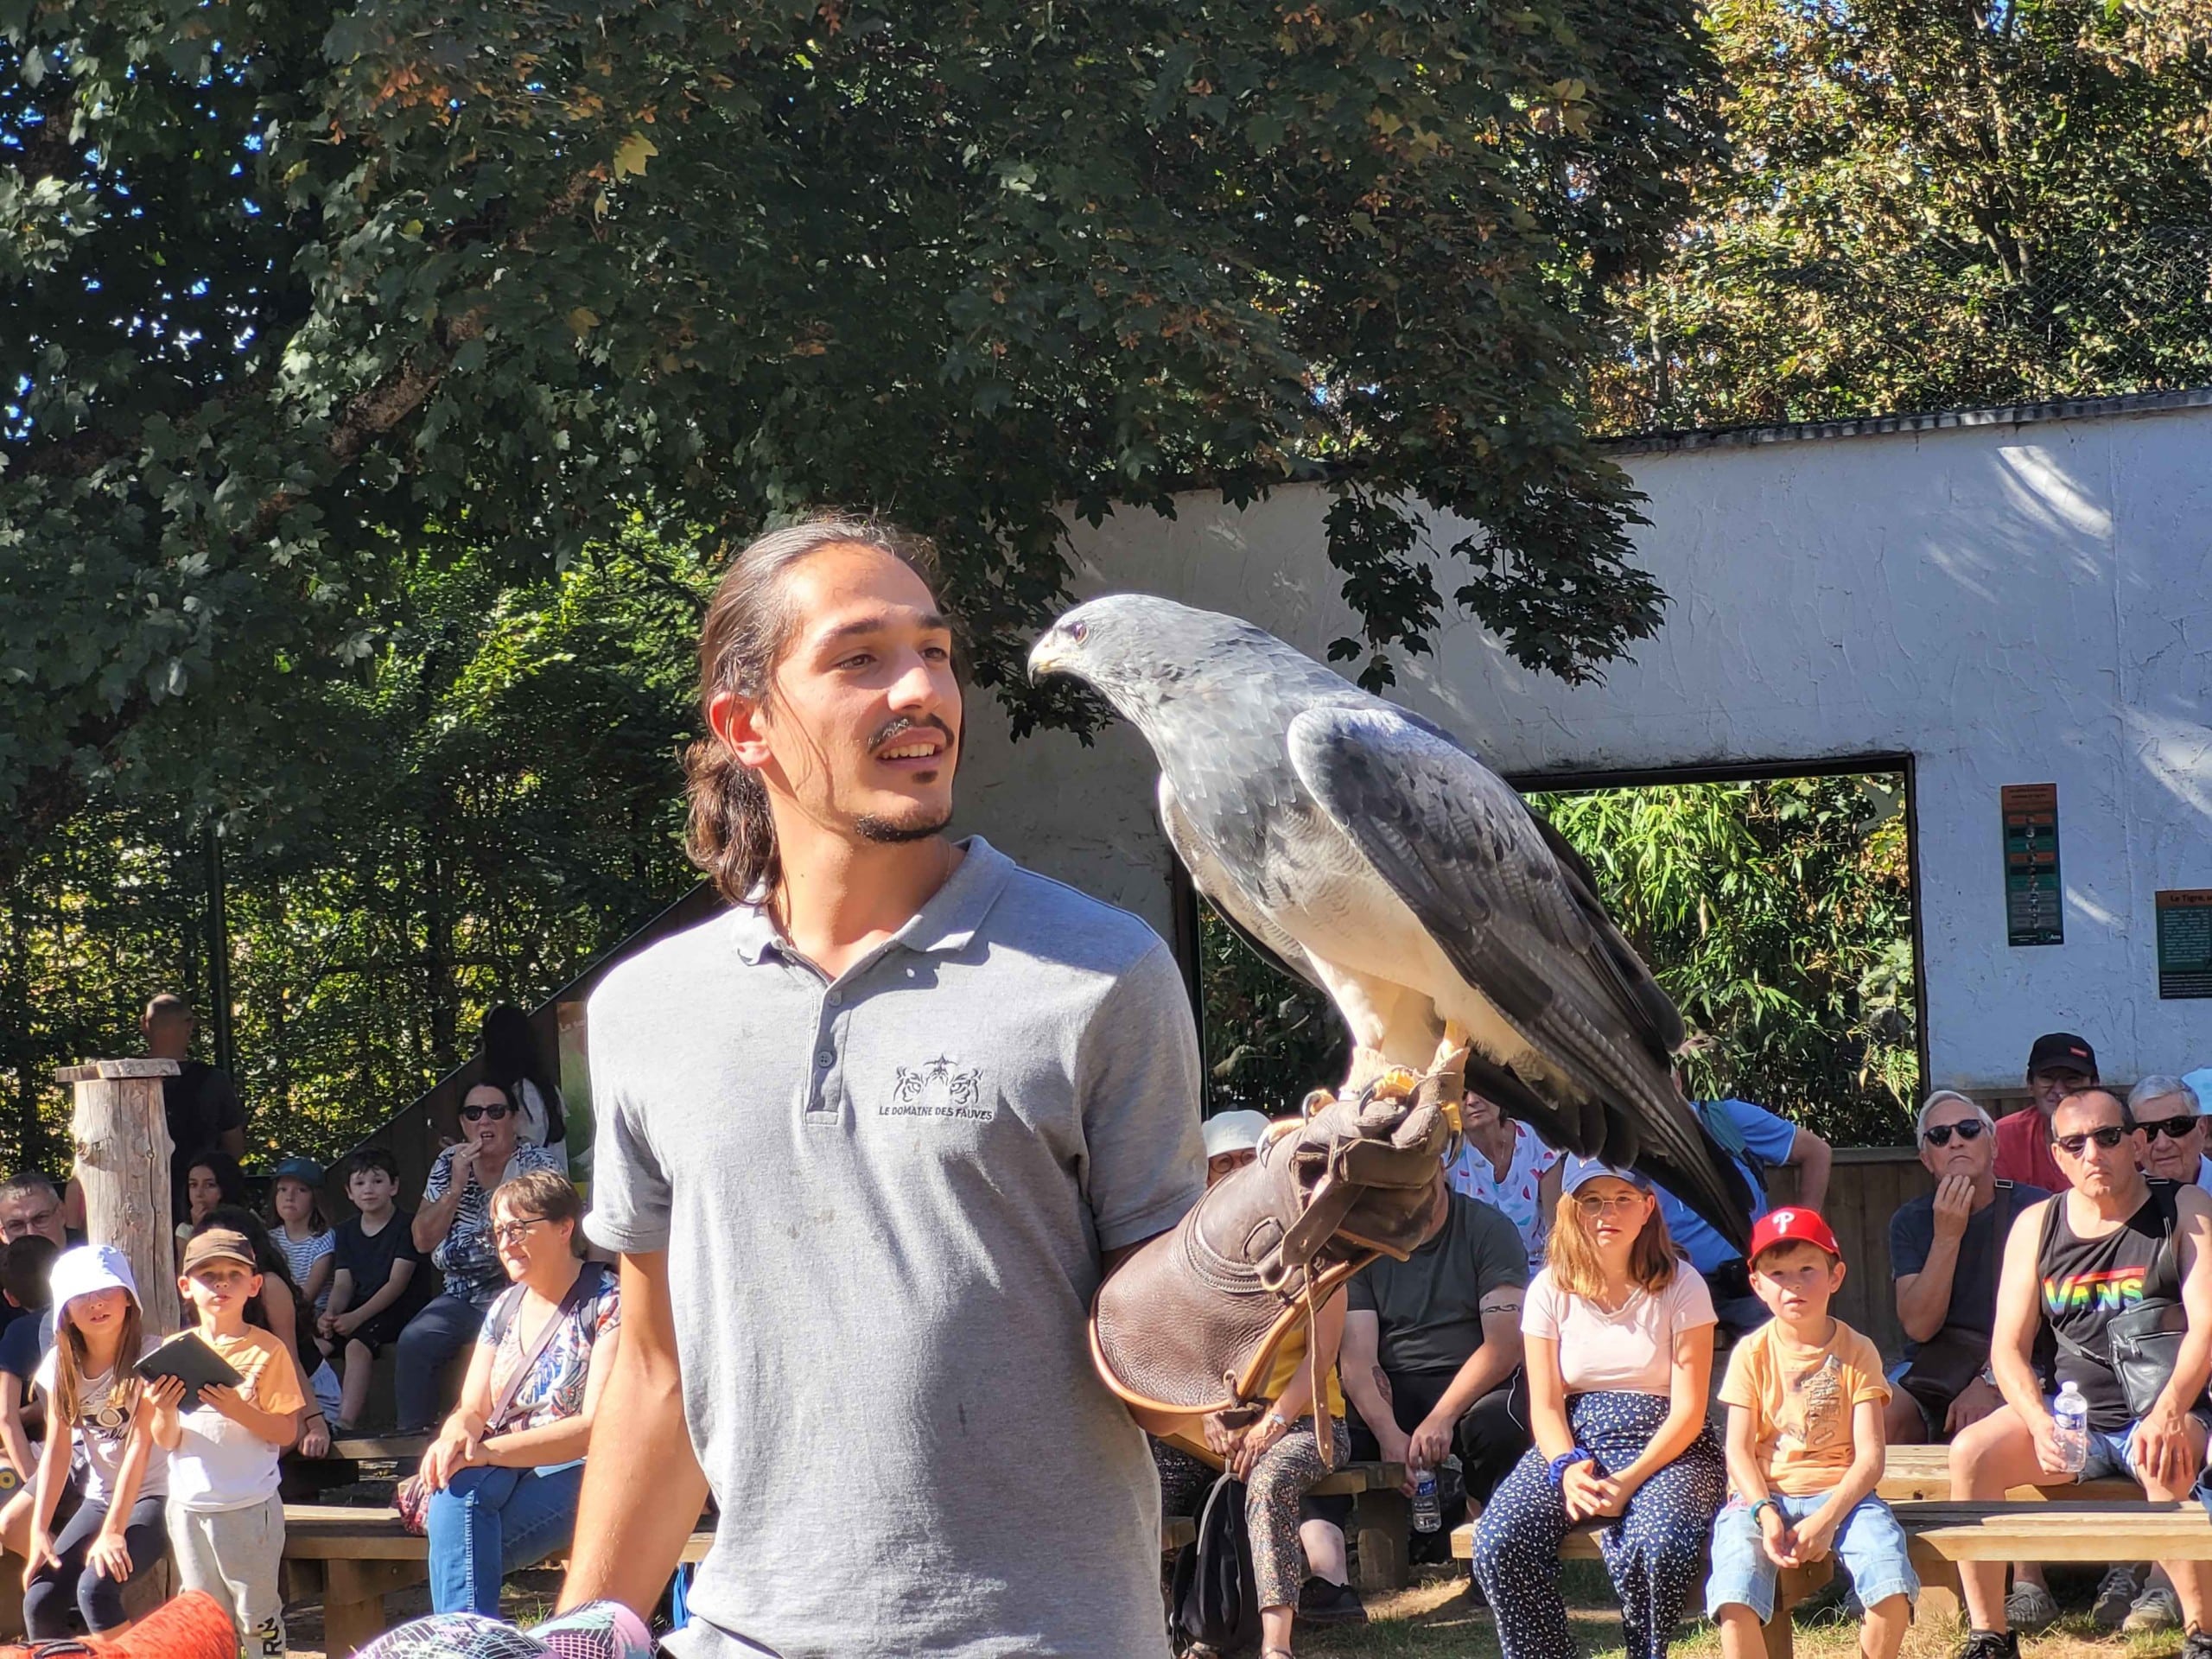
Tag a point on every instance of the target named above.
point(1805, 1396)
point(226, 1520)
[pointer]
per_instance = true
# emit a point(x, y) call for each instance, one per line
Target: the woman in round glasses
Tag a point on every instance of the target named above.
point(1944, 1249)
point(1619, 1354)
point(454, 1226)
point(503, 1473)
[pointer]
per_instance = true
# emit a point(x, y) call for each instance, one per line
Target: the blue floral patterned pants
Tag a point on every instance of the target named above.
point(1654, 1554)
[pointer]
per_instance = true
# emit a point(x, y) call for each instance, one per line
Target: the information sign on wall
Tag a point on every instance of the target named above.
point(2185, 941)
point(2034, 900)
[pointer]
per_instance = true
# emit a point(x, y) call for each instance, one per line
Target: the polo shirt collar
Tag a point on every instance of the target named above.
point(947, 923)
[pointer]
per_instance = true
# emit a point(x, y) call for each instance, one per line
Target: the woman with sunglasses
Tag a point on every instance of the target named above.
point(1944, 1249)
point(504, 1470)
point(1618, 1332)
point(454, 1226)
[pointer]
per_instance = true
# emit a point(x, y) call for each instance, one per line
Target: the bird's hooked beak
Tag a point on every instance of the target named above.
point(1048, 656)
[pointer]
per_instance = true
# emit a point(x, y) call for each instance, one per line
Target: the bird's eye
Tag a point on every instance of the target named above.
point(1077, 630)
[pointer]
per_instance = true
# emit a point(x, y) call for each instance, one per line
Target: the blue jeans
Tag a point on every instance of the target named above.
point(1870, 1544)
point(446, 1325)
point(494, 1521)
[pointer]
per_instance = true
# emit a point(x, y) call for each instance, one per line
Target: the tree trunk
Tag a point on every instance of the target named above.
point(122, 1162)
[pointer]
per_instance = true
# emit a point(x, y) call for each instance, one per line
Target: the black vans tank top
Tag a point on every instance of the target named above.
point(2086, 1282)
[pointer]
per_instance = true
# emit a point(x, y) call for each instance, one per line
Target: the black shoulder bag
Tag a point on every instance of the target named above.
point(1214, 1597)
point(2144, 1343)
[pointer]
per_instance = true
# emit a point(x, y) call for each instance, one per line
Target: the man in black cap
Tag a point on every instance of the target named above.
point(2059, 1064)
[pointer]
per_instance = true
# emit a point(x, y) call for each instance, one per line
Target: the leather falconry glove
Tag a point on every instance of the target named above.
point(1191, 1323)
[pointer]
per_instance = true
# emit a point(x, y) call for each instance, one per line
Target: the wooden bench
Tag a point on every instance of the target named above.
point(350, 1556)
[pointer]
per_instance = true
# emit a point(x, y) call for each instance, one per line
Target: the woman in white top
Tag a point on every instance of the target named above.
point(1502, 1164)
point(1618, 1333)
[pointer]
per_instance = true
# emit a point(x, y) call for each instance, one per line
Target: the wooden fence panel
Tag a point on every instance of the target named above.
point(1865, 1186)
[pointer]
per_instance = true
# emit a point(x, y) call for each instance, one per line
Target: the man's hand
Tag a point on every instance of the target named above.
point(1777, 1537)
point(1975, 1402)
point(2162, 1449)
point(1430, 1445)
point(108, 1556)
point(1579, 1487)
point(1396, 1448)
point(2044, 1427)
point(1953, 1207)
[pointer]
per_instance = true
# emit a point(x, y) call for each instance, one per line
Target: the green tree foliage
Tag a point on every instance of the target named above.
point(298, 293)
point(1776, 914)
point(1933, 204)
point(1269, 1038)
point(490, 802)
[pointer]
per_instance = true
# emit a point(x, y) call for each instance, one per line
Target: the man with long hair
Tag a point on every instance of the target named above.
point(867, 1144)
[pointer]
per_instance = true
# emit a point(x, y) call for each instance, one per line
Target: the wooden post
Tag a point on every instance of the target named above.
point(121, 1137)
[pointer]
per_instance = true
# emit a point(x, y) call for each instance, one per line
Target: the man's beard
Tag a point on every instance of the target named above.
point(892, 832)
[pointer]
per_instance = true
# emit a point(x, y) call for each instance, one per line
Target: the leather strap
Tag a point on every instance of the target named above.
point(589, 1276)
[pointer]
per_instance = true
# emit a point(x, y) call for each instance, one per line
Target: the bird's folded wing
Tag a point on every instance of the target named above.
point(1461, 850)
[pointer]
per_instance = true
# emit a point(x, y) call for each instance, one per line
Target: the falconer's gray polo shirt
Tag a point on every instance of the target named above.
point(884, 1199)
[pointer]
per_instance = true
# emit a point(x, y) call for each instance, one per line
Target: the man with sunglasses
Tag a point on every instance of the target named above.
point(1944, 1247)
point(2165, 1109)
point(2114, 1241)
point(455, 1225)
point(2058, 1064)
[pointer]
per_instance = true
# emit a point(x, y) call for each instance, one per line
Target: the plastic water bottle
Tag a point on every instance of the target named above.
point(2071, 1413)
point(1428, 1516)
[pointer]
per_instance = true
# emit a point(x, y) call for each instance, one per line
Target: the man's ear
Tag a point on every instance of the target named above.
point(738, 722)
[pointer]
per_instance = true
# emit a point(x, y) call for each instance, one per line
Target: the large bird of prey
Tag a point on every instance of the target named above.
point(1361, 847)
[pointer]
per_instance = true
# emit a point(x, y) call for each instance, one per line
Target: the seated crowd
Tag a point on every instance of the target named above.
point(108, 1473)
point(1546, 1360)
point(1590, 1393)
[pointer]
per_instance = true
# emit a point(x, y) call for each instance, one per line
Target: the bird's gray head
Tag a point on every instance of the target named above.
point(1137, 650)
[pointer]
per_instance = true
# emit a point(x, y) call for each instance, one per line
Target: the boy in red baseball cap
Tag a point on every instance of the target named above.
point(1805, 1396)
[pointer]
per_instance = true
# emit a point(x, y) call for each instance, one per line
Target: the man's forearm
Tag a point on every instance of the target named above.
point(1485, 1369)
point(2192, 1367)
point(2015, 1381)
point(1924, 1304)
point(642, 1489)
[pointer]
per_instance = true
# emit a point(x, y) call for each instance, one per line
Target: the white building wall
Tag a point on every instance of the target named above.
point(2011, 603)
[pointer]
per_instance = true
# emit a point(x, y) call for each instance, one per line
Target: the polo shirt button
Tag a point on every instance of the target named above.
point(835, 998)
point(825, 1059)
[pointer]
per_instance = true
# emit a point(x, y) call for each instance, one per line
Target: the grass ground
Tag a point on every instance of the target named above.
point(1432, 1620)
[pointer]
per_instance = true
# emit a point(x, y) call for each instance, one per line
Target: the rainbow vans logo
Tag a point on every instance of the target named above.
point(2104, 1293)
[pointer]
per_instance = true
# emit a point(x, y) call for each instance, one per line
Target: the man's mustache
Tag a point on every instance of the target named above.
point(906, 723)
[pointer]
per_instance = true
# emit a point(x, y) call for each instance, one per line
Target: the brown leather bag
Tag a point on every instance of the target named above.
point(1191, 1322)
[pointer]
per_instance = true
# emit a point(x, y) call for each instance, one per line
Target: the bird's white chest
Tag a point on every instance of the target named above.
point(1326, 896)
